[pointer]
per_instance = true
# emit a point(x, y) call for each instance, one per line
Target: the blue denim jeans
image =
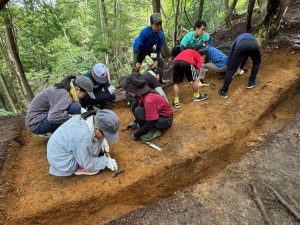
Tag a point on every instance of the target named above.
point(47, 127)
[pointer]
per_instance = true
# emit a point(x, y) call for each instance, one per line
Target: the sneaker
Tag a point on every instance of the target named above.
point(223, 93)
point(252, 84)
point(46, 136)
point(133, 125)
point(82, 171)
point(152, 134)
point(202, 97)
point(165, 81)
point(176, 105)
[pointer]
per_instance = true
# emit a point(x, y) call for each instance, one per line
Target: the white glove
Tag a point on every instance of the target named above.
point(105, 146)
point(112, 164)
point(83, 110)
point(111, 89)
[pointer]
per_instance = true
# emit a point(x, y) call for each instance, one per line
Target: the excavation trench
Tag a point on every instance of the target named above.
point(204, 139)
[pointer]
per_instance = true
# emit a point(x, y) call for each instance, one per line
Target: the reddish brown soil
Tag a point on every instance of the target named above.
point(204, 139)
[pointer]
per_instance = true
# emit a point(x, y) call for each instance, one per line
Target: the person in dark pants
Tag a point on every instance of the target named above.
point(103, 91)
point(153, 113)
point(244, 46)
point(149, 42)
point(56, 104)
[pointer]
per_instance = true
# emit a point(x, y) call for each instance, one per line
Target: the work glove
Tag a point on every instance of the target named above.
point(105, 146)
point(133, 137)
point(83, 110)
point(111, 89)
point(112, 164)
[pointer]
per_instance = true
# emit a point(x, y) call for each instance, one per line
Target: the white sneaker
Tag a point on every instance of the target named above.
point(82, 171)
point(46, 136)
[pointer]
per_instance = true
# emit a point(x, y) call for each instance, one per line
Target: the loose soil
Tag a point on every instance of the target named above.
point(205, 138)
point(227, 199)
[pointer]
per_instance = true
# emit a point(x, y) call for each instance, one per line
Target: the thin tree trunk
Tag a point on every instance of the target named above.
point(250, 8)
point(18, 90)
point(200, 10)
point(8, 96)
point(165, 52)
point(187, 17)
point(13, 49)
point(229, 13)
point(176, 22)
point(275, 12)
point(226, 5)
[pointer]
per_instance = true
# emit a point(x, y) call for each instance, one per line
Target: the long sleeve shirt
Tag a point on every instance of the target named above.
point(72, 144)
point(51, 103)
point(147, 39)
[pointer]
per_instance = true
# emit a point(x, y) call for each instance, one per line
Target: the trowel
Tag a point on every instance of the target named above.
point(156, 147)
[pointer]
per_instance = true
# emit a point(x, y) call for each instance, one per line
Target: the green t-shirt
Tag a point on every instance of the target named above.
point(189, 40)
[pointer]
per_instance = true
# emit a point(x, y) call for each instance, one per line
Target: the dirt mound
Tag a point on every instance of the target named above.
point(204, 139)
point(227, 199)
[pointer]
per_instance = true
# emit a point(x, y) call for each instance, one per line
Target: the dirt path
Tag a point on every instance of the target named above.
point(226, 199)
point(204, 139)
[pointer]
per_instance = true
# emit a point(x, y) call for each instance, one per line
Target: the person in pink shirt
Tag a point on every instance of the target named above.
point(186, 63)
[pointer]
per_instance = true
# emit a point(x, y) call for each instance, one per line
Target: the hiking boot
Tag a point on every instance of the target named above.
point(223, 93)
point(176, 105)
point(252, 84)
point(82, 171)
point(202, 97)
point(152, 134)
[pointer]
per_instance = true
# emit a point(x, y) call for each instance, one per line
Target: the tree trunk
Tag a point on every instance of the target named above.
point(229, 13)
point(8, 96)
point(176, 22)
point(226, 5)
point(165, 52)
point(250, 8)
point(3, 3)
point(275, 11)
point(15, 57)
point(200, 10)
point(2, 102)
point(18, 90)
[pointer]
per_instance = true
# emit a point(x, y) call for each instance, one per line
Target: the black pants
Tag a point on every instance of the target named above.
point(138, 57)
point(244, 49)
point(102, 98)
point(162, 123)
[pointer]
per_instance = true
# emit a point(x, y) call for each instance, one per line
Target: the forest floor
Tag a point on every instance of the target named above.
point(205, 138)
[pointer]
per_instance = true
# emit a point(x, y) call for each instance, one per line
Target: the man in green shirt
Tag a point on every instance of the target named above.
point(196, 38)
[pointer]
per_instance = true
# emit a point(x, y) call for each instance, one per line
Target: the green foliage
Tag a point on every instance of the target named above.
point(3, 112)
point(65, 37)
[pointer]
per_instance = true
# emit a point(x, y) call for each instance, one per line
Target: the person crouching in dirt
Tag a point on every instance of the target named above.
point(153, 78)
point(76, 146)
point(244, 46)
point(56, 104)
point(149, 42)
point(153, 114)
point(104, 92)
point(214, 60)
point(188, 63)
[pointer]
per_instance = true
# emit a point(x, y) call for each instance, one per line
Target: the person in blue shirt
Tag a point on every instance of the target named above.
point(215, 60)
point(149, 42)
point(244, 46)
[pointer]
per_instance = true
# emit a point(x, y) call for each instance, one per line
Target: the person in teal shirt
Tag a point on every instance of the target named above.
point(197, 38)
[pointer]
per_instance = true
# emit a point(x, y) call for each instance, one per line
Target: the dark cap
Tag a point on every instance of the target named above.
point(155, 18)
point(109, 123)
point(136, 84)
point(86, 84)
